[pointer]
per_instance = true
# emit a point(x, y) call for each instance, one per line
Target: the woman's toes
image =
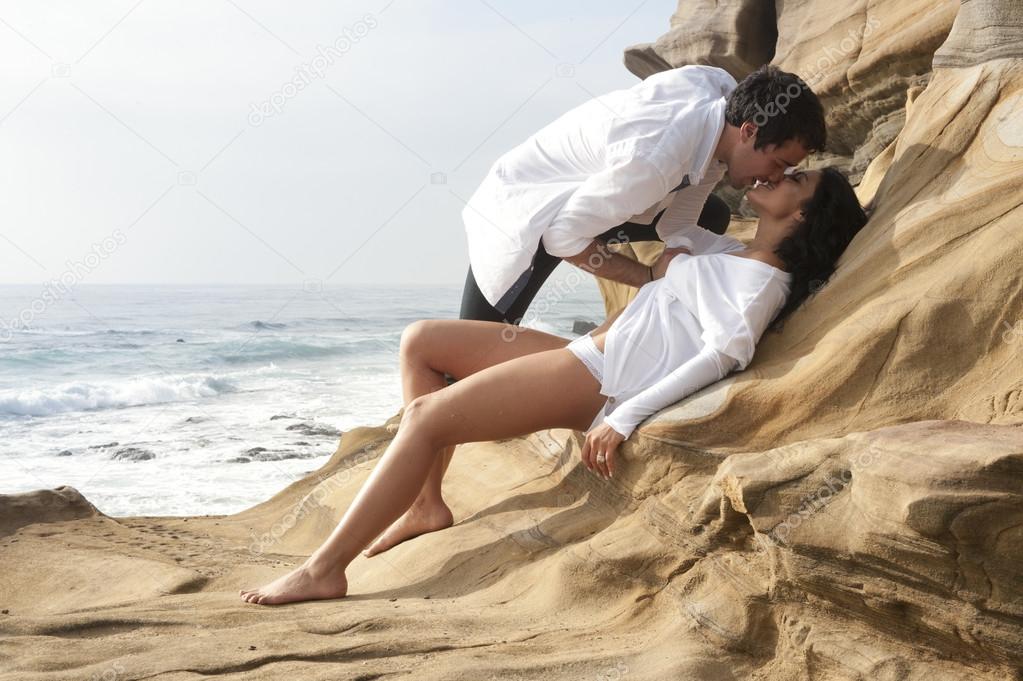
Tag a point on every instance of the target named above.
point(309, 581)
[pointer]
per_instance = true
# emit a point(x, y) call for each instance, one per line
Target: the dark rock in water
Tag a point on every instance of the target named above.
point(106, 446)
point(260, 324)
point(282, 416)
point(297, 455)
point(195, 419)
point(264, 454)
point(315, 430)
point(301, 443)
point(581, 326)
point(66, 452)
point(180, 340)
point(133, 454)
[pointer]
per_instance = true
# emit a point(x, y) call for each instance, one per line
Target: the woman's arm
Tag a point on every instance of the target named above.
point(706, 367)
point(679, 225)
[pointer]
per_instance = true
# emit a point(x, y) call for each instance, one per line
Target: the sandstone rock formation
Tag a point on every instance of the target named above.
point(860, 57)
point(848, 507)
point(735, 36)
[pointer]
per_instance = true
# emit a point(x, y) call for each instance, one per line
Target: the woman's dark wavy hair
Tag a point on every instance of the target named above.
point(831, 218)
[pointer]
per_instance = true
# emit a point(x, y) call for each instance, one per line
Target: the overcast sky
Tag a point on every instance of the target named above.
point(249, 141)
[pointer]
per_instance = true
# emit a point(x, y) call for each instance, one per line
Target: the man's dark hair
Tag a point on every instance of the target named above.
point(781, 105)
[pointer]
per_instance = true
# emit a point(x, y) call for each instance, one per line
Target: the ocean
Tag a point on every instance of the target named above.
point(194, 400)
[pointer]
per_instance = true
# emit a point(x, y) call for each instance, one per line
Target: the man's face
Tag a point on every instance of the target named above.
point(767, 164)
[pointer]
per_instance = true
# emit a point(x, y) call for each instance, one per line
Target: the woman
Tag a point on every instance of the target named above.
point(699, 319)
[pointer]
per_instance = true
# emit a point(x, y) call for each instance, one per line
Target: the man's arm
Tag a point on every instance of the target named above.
point(598, 259)
point(628, 186)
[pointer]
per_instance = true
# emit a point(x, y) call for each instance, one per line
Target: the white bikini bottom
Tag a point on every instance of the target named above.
point(589, 354)
point(592, 358)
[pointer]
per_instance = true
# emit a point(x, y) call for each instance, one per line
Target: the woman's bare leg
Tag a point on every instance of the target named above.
point(488, 405)
point(462, 347)
point(429, 349)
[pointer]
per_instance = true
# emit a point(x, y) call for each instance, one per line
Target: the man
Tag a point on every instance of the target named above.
point(634, 165)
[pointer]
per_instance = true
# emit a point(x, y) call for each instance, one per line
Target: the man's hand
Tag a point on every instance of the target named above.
point(601, 440)
point(660, 265)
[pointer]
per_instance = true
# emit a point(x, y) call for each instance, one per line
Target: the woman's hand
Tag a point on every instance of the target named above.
point(660, 265)
point(601, 440)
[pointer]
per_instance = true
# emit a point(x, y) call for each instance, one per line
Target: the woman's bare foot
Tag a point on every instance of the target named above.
point(309, 581)
point(418, 519)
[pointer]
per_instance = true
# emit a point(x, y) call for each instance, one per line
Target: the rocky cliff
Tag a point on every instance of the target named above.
point(848, 507)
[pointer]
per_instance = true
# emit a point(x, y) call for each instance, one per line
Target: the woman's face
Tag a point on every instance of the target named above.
point(783, 200)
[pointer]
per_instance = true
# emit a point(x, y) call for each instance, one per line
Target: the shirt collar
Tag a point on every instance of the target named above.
point(710, 142)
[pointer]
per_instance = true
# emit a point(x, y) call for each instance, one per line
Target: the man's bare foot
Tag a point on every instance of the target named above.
point(309, 581)
point(417, 520)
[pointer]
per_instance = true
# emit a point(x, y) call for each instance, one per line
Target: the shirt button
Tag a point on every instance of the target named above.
point(611, 400)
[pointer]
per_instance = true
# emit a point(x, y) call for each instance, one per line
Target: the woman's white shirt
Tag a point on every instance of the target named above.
point(688, 329)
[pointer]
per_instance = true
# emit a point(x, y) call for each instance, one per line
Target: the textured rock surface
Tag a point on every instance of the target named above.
point(736, 36)
point(860, 57)
point(43, 506)
point(891, 554)
point(924, 316)
point(849, 507)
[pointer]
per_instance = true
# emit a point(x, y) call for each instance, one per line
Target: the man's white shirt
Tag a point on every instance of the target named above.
point(621, 157)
